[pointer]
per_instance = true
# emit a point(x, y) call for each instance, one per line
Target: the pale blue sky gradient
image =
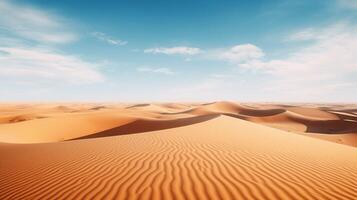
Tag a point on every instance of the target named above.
point(281, 51)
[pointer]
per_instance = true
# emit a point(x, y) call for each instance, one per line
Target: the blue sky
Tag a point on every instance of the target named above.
point(281, 51)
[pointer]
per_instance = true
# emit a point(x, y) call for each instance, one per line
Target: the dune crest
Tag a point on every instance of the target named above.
point(37, 123)
point(218, 150)
point(221, 158)
point(141, 126)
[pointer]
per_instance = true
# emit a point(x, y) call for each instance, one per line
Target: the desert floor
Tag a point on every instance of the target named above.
point(219, 150)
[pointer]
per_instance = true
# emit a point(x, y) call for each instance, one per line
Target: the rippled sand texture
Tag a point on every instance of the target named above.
point(177, 151)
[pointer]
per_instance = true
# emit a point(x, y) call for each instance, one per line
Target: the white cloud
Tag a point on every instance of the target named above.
point(240, 53)
point(27, 53)
point(34, 24)
point(108, 39)
point(307, 34)
point(174, 50)
point(333, 54)
point(314, 34)
point(23, 64)
point(323, 66)
point(159, 70)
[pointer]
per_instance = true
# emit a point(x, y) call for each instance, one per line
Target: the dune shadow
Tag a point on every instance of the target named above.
point(98, 108)
point(345, 123)
point(284, 105)
point(331, 126)
point(20, 118)
point(206, 104)
point(236, 116)
point(239, 113)
point(335, 126)
point(141, 126)
point(261, 113)
point(138, 105)
point(180, 112)
point(346, 116)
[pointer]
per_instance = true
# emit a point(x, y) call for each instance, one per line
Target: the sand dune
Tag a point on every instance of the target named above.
point(230, 108)
point(218, 150)
point(36, 123)
point(313, 113)
point(141, 125)
point(19, 118)
point(222, 158)
point(342, 124)
point(60, 127)
point(311, 124)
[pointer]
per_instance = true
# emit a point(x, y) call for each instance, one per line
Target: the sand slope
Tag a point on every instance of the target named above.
point(38, 123)
point(220, 158)
point(60, 127)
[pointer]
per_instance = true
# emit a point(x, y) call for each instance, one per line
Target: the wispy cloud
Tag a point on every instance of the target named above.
point(324, 64)
point(33, 24)
point(28, 49)
point(329, 59)
point(23, 64)
point(110, 40)
point(318, 34)
point(156, 70)
point(182, 50)
point(331, 51)
point(238, 53)
point(350, 4)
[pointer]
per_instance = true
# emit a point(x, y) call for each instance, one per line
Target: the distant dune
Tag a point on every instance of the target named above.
point(218, 150)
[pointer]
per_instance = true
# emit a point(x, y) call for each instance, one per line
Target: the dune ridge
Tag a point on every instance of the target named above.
point(198, 161)
point(141, 126)
point(38, 123)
